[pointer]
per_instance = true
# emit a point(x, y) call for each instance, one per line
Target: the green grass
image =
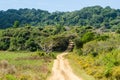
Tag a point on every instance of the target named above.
point(28, 66)
point(77, 68)
point(105, 66)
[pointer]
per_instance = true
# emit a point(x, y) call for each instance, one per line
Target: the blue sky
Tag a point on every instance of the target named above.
point(57, 5)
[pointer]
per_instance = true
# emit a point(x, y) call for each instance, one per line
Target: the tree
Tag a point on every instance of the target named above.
point(16, 24)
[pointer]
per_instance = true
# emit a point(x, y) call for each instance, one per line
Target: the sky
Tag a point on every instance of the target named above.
point(57, 5)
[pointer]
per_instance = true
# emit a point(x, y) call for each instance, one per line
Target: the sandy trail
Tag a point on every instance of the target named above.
point(61, 69)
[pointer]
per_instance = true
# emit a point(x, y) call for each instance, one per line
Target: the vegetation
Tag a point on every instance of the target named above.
point(25, 65)
point(32, 39)
point(99, 58)
point(94, 31)
point(95, 16)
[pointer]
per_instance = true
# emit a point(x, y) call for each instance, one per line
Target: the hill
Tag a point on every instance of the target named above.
point(94, 31)
point(95, 16)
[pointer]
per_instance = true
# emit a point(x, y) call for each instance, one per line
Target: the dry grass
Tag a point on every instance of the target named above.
point(74, 62)
point(24, 66)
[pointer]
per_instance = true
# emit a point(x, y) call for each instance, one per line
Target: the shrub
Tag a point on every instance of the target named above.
point(94, 54)
point(102, 37)
point(87, 37)
point(60, 43)
point(10, 77)
point(25, 77)
point(4, 43)
point(53, 55)
point(41, 53)
point(116, 72)
point(117, 31)
point(78, 43)
point(31, 45)
point(78, 51)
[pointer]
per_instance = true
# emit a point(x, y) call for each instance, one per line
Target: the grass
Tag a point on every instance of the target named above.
point(77, 68)
point(105, 66)
point(29, 65)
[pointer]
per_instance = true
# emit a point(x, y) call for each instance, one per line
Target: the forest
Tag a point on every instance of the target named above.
point(95, 16)
point(41, 36)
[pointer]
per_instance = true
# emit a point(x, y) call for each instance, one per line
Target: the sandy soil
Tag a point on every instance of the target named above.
point(61, 69)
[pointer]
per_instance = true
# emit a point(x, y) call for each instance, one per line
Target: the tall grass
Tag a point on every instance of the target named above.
point(28, 65)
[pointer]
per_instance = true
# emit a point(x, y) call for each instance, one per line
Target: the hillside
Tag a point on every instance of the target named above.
point(95, 16)
point(30, 35)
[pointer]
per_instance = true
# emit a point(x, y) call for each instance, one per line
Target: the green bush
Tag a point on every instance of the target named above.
point(94, 54)
point(117, 31)
point(10, 77)
point(78, 43)
point(31, 45)
point(88, 37)
point(102, 37)
point(116, 73)
point(4, 43)
point(41, 54)
point(53, 55)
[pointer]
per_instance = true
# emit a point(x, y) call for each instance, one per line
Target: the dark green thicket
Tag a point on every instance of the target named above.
point(47, 39)
point(4, 43)
point(95, 16)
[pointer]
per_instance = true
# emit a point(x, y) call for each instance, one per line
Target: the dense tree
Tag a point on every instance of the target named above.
point(16, 24)
point(95, 16)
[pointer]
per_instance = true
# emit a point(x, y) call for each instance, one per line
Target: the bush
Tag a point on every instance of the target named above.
point(116, 73)
point(31, 45)
point(117, 31)
point(10, 77)
point(94, 54)
point(53, 55)
point(4, 43)
point(41, 54)
point(102, 37)
point(78, 43)
point(78, 51)
point(87, 37)
point(60, 43)
point(50, 55)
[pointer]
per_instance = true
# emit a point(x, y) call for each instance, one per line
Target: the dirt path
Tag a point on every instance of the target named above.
point(61, 70)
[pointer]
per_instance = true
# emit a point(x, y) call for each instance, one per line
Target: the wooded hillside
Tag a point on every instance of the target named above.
point(95, 16)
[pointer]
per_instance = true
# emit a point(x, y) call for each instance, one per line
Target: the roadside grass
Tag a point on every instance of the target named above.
point(77, 69)
point(28, 65)
point(105, 66)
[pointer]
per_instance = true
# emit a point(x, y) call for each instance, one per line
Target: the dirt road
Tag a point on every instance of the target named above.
point(61, 70)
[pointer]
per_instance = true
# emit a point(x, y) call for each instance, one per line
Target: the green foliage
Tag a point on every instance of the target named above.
point(43, 54)
point(87, 37)
point(116, 72)
point(95, 16)
point(94, 54)
point(10, 77)
point(4, 43)
point(61, 43)
point(16, 24)
point(99, 56)
point(78, 43)
point(118, 31)
point(102, 37)
point(31, 45)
